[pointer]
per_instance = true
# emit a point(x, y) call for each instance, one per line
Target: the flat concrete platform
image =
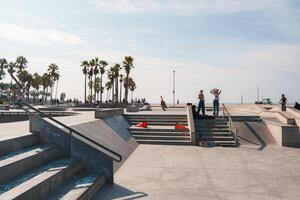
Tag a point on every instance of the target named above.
point(190, 172)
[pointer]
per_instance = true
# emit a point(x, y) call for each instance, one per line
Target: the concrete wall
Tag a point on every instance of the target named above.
point(76, 147)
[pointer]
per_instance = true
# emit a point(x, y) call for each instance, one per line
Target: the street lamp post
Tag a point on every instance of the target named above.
point(174, 88)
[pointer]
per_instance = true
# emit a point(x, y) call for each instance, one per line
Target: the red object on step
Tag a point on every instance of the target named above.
point(142, 124)
point(180, 127)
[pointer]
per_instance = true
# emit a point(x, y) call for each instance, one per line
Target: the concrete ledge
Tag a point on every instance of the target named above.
point(191, 124)
point(132, 108)
point(4, 107)
point(285, 135)
point(109, 112)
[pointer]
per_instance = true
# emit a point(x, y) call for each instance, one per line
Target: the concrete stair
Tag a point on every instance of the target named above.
point(32, 170)
point(214, 132)
point(160, 120)
point(161, 129)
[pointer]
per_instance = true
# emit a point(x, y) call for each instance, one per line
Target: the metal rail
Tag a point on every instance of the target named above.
point(232, 127)
point(117, 157)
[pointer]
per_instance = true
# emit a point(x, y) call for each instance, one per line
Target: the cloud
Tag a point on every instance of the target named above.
point(271, 57)
point(186, 7)
point(45, 37)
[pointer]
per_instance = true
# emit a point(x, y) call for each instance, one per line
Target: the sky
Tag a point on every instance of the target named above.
point(235, 45)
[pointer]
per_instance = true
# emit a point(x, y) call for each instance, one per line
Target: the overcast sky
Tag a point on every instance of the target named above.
point(235, 45)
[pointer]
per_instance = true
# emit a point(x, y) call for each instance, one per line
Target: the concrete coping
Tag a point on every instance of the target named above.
point(108, 112)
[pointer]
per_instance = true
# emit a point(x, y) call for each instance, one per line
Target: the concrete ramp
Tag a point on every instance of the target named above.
point(111, 132)
point(254, 133)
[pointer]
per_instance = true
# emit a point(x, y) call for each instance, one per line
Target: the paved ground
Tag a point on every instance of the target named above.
point(189, 172)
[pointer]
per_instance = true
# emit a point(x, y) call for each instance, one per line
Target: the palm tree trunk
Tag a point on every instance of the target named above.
point(113, 90)
point(126, 88)
point(100, 89)
point(117, 89)
point(95, 93)
point(121, 93)
point(85, 88)
point(56, 89)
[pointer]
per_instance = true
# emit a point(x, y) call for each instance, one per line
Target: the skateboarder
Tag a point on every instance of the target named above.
point(283, 101)
point(163, 103)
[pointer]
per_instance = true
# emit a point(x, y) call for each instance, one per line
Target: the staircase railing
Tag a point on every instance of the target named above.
point(232, 127)
point(117, 157)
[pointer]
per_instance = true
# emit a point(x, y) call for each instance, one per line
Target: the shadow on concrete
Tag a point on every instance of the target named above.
point(116, 191)
point(259, 138)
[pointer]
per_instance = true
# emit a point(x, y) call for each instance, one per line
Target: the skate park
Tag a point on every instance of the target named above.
point(158, 162)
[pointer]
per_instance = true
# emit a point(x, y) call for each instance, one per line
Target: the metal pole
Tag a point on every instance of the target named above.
point(174, 88)
point(258, 94)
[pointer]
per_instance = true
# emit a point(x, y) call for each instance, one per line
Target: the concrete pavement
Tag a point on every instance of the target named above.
point(190, 172)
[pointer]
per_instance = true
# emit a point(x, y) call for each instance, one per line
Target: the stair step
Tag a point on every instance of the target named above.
point(217, 138)
point(156, 116)
point(37, 184)
point(201, 130)
point(17, 143)
point(211, 126)
point(16, 163)
point(160, 137)
point(167, 142)
point(162, 123)
point(158, 120)
point(160, 133)
point(215, 133)
point(161, 129)
point(80, 187)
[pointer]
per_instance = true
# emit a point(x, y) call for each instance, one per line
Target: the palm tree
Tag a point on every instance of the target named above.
point(128, 65)
point(96, 64)
point(111, 78)
point(131, 86)
point(54, 76)
point(36, 85)
point(85, 65)
point(11, 69)
point(116, 72)
point(108, 87)
point(121, 81)
point(91, 72)
point(97, 87)
point(3, 66)
point(46, 83)
point(21, 63)
point(102, 71)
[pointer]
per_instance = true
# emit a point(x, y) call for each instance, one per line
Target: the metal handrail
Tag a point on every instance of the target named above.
point(232, 127)
point(71, 130)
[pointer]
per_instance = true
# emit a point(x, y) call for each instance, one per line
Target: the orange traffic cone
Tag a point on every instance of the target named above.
point(142, 124)
point(180, 127)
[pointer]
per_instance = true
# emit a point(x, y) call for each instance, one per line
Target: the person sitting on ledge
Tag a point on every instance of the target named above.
point(163, 103)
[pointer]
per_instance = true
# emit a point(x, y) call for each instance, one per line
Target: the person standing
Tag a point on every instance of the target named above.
point(163, 103)
point(216, 102)
point(201, 104)
point(283, 101)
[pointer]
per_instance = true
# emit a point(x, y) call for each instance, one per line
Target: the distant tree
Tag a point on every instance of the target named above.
point(85, 66)
point(3, 66)
point(102, 71)
point(128, 65)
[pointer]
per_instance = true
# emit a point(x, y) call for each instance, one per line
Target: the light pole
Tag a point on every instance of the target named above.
point(174, 88)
